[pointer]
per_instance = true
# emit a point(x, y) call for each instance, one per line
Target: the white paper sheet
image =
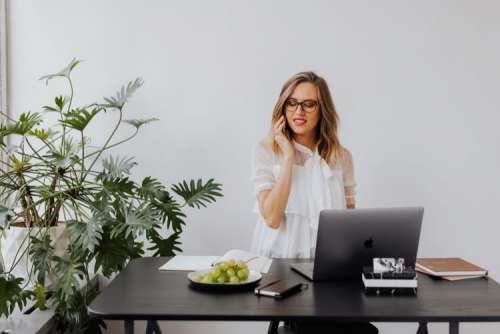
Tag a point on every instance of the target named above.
point(189, 263)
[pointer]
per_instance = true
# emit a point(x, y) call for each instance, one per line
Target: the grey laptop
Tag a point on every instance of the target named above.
point(349, 239)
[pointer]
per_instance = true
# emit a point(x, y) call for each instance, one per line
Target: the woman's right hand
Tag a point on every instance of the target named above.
point(283, 142)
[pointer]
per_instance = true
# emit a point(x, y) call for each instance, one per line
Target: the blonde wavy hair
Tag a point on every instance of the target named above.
point(329, 147)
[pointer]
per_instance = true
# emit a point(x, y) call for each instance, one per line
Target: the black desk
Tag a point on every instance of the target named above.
point(142, 292)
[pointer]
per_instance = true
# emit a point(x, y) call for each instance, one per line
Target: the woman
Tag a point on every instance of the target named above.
point(300, 169)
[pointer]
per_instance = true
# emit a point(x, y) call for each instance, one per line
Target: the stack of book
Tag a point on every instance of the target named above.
point(391, 283)
point(451, 269)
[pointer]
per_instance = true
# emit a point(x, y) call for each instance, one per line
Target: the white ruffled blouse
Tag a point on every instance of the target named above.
point(316, 185)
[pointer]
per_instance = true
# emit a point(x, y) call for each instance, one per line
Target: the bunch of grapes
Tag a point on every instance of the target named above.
point(225, 272)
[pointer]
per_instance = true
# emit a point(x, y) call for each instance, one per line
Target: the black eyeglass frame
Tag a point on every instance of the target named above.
point(306, 109)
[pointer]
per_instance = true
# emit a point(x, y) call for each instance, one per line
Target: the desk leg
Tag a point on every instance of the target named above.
point(454, 327)
point(152, 327)
point(273, 327)
point(422, 328)
point(129, 326)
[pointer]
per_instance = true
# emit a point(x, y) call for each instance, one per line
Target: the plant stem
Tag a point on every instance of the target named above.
point(83, 156)
point(114, 144)
point(6, 163)
point(64, 192)
point(69, 108)
point(105, 144)
point(29, 199)
point(35, 151)
point(7, 116)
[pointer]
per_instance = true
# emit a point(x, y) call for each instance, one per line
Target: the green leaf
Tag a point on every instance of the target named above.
point(113, 252)
point(12, 295)
point(67, 272)
point(3, 134)
point(123, 95)
point(43, 191)
point(72, 316)
point(40, 297)
point(41, 253)
point(79, 118)
point(137, 123)
point(198, 194)
point(94, 326)
point(4, 212)
point(150, 188)
point(85, 235)
point(134, 221)
point(117, 167)
point(49, 109)
point(100, 204)
point(27, 121)
point(20, 166)
point(169, 211)
point(60, 102)
point(67, 154)
point(65, 72)
point(41, 134)
point(164, 247)
point(119, 187)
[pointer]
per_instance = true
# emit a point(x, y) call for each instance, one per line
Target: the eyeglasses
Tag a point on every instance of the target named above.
point(306, 105)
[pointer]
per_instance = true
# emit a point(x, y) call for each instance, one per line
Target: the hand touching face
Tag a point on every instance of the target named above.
point(279, 136)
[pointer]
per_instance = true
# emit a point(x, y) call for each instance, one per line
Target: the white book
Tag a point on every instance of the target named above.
point(191, 263)
point(389, 283)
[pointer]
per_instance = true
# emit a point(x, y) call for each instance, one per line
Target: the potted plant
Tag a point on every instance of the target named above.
point(78, 210)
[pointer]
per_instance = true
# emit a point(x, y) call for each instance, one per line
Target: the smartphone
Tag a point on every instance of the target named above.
point(278, 289)
point(285, 128)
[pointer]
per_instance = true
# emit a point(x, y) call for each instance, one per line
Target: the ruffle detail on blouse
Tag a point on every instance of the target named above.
point(326, 189)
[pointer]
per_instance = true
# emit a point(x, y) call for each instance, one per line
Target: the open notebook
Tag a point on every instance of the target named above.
point(190, 263)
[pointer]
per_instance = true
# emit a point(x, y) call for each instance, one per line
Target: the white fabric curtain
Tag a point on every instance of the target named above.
point(3, 68)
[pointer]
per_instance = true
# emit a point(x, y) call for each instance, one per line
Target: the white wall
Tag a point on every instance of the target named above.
point(415, 83)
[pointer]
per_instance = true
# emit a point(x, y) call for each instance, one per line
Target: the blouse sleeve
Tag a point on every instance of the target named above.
point(349, 179)
point(262, 168)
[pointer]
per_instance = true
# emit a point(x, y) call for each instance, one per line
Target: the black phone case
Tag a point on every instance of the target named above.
point(280, 289)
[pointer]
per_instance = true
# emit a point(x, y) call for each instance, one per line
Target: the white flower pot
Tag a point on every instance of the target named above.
point(12, 241)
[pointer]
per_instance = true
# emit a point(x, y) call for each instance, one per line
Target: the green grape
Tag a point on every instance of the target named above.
point(216, 272)
point(242, 274)
point(222, 278)
point(211, 278)
point(230, 271)
point(242, 265)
